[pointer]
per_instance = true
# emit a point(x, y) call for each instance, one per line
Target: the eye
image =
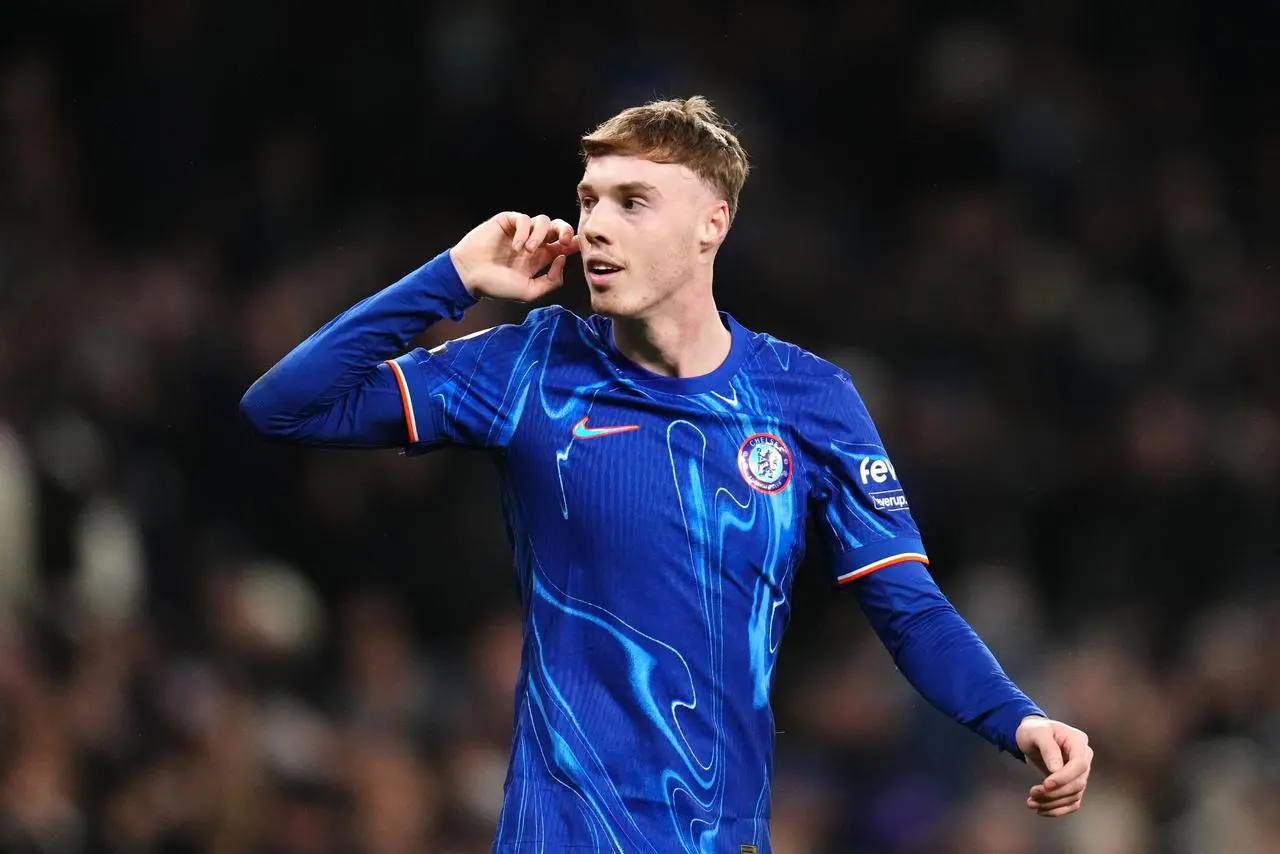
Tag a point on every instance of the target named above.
point(632, 203)
point(585, 202)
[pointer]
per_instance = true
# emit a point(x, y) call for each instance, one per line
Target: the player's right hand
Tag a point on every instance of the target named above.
point(501, 257)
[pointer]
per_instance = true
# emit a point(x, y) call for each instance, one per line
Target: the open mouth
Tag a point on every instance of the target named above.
point(601, 272)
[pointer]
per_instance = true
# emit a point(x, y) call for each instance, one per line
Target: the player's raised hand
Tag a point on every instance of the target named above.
point(1063, 753)
point(501, 257)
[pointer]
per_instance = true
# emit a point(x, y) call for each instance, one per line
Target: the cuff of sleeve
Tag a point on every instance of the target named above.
point(1004, 724)
point(441, 278)
point(398, 368)
point(867, 559)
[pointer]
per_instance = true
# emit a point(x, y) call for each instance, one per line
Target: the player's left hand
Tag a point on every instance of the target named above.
point(1063, 753)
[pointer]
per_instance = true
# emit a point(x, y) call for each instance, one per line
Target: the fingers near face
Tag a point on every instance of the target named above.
point(538, 229)
point(542, 233)
point(555, 275)
point(519, 226)
point(561, 234)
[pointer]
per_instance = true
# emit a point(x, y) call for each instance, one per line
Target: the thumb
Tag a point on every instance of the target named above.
point(1050, 753)
point(552, 279)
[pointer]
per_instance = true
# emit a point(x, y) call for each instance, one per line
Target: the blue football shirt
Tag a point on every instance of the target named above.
point(657, 524)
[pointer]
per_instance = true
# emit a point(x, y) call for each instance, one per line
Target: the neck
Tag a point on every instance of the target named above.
point(680, 341)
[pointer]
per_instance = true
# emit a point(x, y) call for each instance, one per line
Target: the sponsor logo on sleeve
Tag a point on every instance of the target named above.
point(880, 484)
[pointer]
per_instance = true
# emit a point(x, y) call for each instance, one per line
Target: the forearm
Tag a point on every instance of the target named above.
point(333, 387)
point(940, 654)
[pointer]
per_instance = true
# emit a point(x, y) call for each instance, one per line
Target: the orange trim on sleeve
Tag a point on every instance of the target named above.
point(409, 420)
point(881, 564)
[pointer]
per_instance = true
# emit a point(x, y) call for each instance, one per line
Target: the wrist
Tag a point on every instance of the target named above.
point(1008, 723)
point(461, 271)
point(439, 278)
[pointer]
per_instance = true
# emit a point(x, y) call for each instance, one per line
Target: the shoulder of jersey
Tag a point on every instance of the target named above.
point(549, 314)
point(777, 354)
point(536, 320)
point(540, 318)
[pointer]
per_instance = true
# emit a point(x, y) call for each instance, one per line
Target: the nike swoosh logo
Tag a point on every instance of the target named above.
point(732, 401)
point(582, 431)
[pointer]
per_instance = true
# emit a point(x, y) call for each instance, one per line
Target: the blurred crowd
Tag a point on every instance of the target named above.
point(1042, 237)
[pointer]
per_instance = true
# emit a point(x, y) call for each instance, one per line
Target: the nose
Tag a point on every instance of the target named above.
point(593, 227)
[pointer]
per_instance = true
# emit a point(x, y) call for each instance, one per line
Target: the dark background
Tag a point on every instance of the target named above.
point(1041, 236)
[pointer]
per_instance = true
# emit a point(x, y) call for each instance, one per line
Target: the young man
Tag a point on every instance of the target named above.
point(659, 463)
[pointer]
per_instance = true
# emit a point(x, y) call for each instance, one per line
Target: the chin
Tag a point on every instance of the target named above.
point(608, 304)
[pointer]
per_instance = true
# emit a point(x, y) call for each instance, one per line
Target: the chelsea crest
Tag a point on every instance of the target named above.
point(765, 463)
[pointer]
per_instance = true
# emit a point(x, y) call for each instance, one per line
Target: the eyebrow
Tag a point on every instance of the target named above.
point(627, 189)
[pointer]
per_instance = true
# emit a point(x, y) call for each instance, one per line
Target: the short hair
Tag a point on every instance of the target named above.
point(687, 131)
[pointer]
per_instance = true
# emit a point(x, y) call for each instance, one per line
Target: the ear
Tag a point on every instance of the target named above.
point(715, 226)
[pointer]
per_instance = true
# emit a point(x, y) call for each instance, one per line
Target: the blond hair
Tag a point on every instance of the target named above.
point(687, 131)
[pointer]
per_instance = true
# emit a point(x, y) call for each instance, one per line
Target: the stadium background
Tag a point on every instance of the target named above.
point(1042, 236)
